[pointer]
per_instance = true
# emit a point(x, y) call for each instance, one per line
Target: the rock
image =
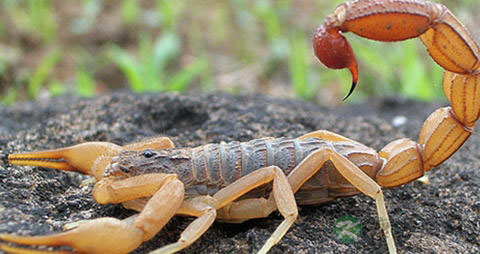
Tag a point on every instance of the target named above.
point(442, 217)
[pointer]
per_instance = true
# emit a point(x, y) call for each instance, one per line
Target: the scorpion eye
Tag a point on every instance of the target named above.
point(148, 153)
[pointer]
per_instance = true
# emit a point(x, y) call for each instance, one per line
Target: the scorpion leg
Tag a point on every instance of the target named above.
point(204, 207)
point(199, 207)
point(282, 195)
point(95, 236)
point(260, 207)
point(251, 208)
point(310, 165)
point(136, 204)
point(282, 198)
point(352, 173)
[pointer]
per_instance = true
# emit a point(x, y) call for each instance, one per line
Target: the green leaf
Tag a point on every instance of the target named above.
point(85, 83)
point(170, 12)
point(128, 65)
point(10, 96)
point(55, 88)
point(130, 10)
point(150, 73)
point(266, 13)
point(298, 63)
point(167, 47)
point(184, 77)
point(42, 72)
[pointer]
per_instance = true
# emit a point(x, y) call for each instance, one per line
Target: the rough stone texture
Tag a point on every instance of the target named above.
point(442, 217)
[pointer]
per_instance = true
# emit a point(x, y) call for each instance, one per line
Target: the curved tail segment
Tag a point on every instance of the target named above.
point(335, 52)
point(448, 42)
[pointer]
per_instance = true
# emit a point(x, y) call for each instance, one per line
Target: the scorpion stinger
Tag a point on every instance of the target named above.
point(333, 50)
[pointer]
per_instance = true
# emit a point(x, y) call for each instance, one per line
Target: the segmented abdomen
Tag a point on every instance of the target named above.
point(215, 166)
point(222, 164)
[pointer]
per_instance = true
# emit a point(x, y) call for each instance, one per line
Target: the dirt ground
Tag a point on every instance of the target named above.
point(442, 217)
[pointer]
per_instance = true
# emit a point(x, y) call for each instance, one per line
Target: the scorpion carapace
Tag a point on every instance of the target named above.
point(239, 181)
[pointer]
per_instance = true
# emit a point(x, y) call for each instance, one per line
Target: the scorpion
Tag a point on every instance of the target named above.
point(238, 181)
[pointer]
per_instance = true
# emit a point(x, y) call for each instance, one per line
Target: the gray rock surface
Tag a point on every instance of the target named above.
point(442, 217)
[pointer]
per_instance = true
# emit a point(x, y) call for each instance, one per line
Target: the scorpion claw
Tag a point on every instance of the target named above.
point(17, 250)
point(95, 236)
point(78, 158)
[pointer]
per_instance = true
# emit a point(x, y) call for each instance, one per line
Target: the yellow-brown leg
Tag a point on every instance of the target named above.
point(206, 216)
point(204, 207)
point(348, 170)
point(282, 196)
point(246, 209)
point(310, 165)
point(255, 208)
point(136, 204)
point(96, 236)
point(234, 212)
point(252, 208)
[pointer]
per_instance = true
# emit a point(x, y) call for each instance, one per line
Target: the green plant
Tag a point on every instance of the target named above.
point(10, 96)
point(170, 13)
point(277, 43)
point(402, 68)
point(42, 73)
point(55, 88)
point(298, 63)
point(148, 72)
point(91, 9)
point(166, 45)
point(130, 10)
point(85, 83)
point(35, 16)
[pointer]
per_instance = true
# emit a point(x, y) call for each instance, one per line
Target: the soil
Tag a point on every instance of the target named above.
point(440, 217)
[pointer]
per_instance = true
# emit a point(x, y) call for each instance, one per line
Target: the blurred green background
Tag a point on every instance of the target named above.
point(91, 47)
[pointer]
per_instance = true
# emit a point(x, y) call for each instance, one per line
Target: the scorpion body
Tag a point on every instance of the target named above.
point(206, 169)
point(240, 181)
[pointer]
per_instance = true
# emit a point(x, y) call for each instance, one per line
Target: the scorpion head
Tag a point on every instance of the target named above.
point(133, 163)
